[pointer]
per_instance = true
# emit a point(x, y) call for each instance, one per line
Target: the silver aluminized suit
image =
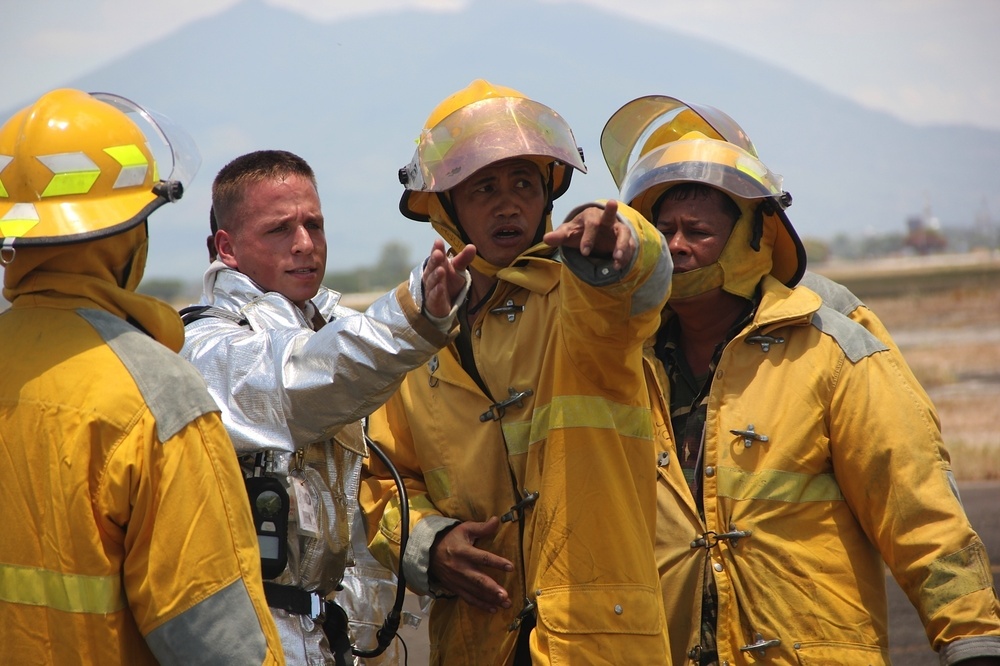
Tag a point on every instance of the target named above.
point(299, 392)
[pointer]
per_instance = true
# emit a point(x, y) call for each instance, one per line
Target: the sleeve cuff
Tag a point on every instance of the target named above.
point(417, 559)
point(416, 288)
point(595, 271)
point(969, 648)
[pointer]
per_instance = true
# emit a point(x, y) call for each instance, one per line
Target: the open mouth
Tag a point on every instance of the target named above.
point(505, 235)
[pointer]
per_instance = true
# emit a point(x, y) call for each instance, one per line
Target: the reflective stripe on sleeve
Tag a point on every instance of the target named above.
point(71, 593)
point(954, 576)
point(221, 629)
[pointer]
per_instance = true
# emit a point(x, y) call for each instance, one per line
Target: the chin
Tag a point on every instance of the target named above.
point(301, 293)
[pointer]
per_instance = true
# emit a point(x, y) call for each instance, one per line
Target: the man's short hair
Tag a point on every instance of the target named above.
point(685, 191)
point(231, 182)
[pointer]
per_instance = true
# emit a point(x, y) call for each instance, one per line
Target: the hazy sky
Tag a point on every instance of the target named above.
point(924, 61)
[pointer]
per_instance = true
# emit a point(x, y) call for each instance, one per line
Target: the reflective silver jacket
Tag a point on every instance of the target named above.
point(286, 387)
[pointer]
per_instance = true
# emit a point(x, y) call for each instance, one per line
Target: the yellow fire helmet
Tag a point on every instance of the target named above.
point(477, 126)
point(76, 167)
point(674, 142)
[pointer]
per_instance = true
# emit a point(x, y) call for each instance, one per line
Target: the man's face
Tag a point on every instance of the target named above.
point(278, 240)
point(500, 208)
point(696, 230)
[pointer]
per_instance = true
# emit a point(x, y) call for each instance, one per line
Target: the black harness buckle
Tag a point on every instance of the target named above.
point(293, 599)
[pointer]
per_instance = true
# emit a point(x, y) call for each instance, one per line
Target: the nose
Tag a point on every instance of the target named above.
point(302, 242)
point(676, 242)
point(507, 204)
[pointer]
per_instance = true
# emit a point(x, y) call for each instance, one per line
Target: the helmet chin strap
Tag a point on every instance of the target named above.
point(696, 282)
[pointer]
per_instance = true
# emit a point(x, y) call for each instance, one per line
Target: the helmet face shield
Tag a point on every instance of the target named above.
point(486, 132)
point(655, 142)
point(722, 165)
point(171, 140)
point(658, 119)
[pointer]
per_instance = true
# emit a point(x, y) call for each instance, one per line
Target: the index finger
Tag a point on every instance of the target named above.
point(591, 232)
point(610, 213)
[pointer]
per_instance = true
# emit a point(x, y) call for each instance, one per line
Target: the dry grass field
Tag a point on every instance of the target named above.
point(948, 328)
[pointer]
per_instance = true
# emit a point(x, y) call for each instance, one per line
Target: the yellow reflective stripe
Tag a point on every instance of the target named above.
point(516, 436)
point(134, 165)
point(777, 485)
point(438, 483)
point(73, 173)
point(72, 593)
point(4, 161)
point(954, 576)
point(18, 220)
point(578, 411)
point(391, 515)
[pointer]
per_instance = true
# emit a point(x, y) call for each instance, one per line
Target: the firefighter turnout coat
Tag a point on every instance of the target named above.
point(127, 535)
point(561, 449)
point(821, 461)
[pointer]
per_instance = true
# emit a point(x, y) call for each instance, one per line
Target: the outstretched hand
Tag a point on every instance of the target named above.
point(598, 232)
point(443, 279)
point(462, 569)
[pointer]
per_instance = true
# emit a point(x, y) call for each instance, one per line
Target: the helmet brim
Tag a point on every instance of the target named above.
point(75, 222)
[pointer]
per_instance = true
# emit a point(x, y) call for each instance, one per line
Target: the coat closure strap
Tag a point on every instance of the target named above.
point(515, 511)
point(498, 409)
point(509, 309)
point(710, 539)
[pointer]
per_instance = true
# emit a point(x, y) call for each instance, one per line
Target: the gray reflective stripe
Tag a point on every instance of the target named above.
point(854, 339)
point(778, 485)
point(650, 294)
point(172, 389)
point(834, 294)
point(953, 484)
point(71, 593)
point(578, 411)
point(222, 629)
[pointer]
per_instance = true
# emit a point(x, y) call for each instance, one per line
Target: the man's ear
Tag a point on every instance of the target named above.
point(224, 246)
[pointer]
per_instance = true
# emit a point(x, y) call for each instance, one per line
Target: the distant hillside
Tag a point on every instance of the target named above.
point(351, 97)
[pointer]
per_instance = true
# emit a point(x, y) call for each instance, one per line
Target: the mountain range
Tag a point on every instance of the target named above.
point(351, 97)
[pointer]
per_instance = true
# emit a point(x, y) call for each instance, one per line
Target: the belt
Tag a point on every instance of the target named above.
point(294, 599)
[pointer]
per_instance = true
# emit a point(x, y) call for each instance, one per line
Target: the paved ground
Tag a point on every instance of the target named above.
point(907, 641)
